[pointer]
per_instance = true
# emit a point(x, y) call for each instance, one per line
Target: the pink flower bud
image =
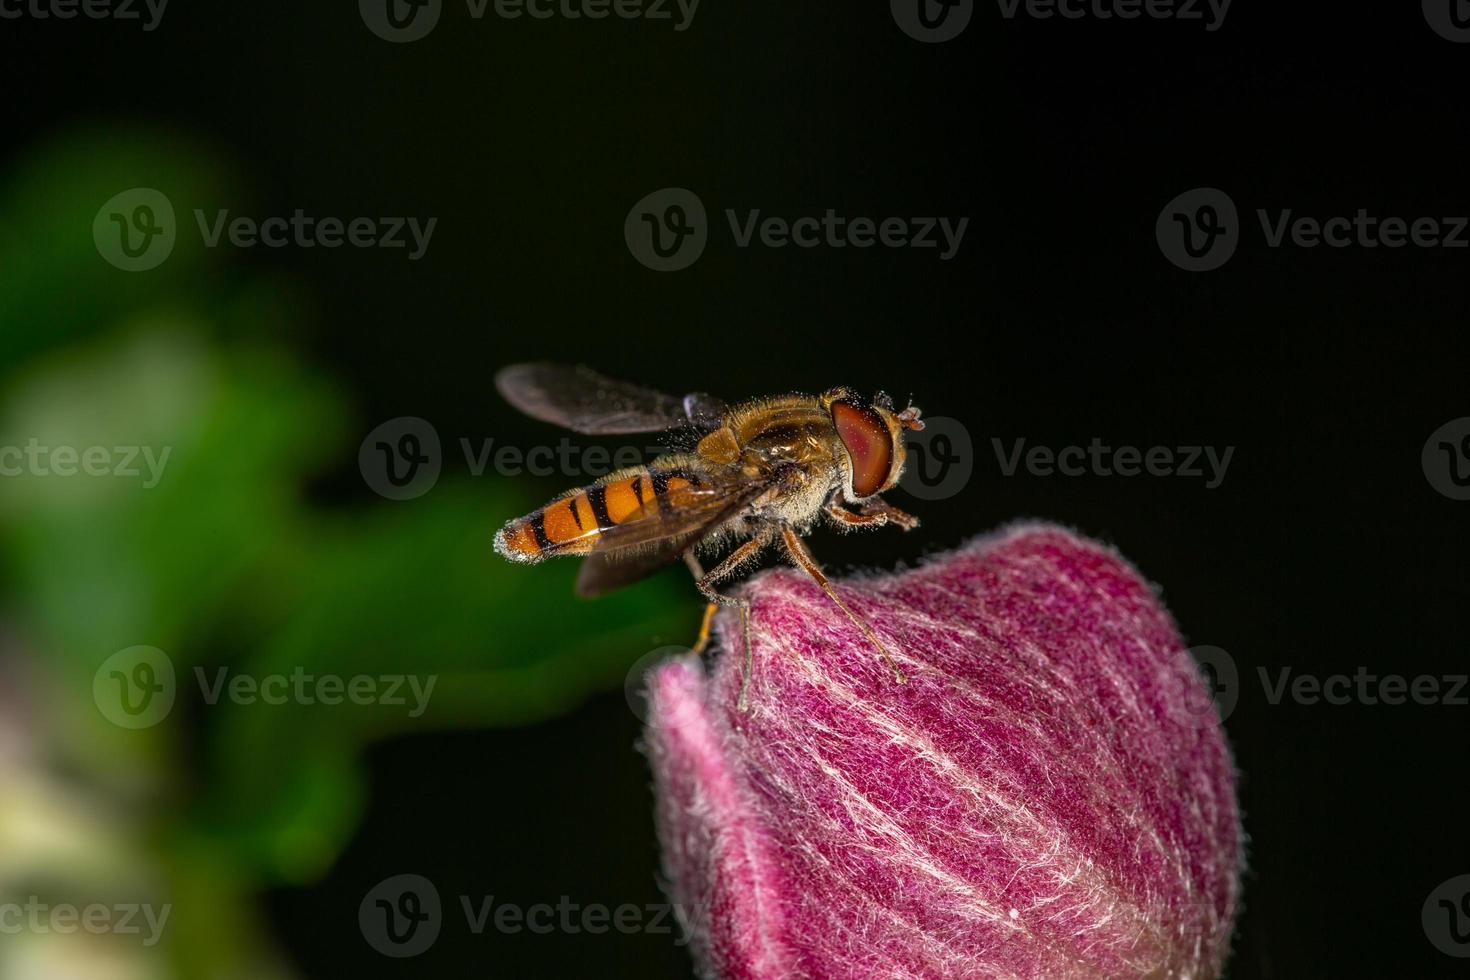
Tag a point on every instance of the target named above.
point(1044, 798)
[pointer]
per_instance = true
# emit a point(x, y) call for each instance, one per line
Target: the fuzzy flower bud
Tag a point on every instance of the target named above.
point(1049, 796)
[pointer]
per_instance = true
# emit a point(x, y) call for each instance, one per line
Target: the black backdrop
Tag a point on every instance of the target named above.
point(1325, 547)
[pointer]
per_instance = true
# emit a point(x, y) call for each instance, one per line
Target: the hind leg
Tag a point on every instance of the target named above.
point(697, 570)
point(707, 581)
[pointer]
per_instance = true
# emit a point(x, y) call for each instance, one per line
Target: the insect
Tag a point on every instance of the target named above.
point(759, 473)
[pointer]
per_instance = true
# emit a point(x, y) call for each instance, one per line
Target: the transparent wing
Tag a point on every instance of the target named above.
point(580, 399)
point(704, 410)
point(604, 572)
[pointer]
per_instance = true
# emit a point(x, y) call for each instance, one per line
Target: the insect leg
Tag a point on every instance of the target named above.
point(710, 608)
point(801, 556)
point(724, 570)
point(877, 507)
point(874, 513)
point(848, 518)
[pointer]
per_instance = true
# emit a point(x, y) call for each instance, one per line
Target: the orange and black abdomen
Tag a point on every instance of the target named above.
point(571, 524)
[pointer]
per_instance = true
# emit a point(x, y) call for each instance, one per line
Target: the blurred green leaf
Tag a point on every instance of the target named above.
point(55, 286)
point(212, 552)
point(415, 591)
point(221, 448)
point(223, 566)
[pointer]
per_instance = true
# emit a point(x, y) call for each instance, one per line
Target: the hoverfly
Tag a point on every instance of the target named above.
point(760, 472)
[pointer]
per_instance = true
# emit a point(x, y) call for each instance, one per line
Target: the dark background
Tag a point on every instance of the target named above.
point(1059, 320)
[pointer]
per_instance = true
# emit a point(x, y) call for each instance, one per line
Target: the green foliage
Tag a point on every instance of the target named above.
point(57, 288)
point(227, 565)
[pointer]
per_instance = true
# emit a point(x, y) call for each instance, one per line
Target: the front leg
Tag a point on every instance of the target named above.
point(875, 512)
point(802, 558)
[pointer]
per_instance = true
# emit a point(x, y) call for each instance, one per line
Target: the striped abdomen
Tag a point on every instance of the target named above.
point(572, 523)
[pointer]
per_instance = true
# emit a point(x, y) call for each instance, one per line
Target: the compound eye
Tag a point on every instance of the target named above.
point(869, 445)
